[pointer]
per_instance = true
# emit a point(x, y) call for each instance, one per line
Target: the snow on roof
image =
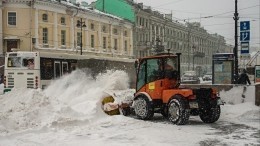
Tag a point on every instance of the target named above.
point(88, 8)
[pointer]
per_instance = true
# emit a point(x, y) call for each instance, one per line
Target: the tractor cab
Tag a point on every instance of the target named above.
point(158, 73)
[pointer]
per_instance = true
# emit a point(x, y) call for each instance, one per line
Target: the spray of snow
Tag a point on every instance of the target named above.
point(73, 98)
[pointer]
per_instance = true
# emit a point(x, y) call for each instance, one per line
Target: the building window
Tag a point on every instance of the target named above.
point(125, 33)
point(45, 35)
point(104, 42)
point(92, 41)
point(44, 17)
point(114, 31)
point(125, 46)
point(104, 28)
point(92, 26)
point(12, 18)
point(78, 39)
point(63, 20)
point(115, 44)
point(63, 37)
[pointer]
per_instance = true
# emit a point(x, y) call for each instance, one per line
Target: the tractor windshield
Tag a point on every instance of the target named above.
point(170, 63)
point(153, 69)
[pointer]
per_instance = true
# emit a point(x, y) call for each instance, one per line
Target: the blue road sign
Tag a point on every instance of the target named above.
point(244, 47)
point(244, 25)
point(244, 36)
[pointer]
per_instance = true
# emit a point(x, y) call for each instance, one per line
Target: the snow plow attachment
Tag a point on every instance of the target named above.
point(116, 103)
point(109, 106)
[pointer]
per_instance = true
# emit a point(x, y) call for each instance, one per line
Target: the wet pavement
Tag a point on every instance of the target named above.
point(232, 134)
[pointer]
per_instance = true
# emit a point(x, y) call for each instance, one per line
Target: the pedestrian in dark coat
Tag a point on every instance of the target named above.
point(244, 79)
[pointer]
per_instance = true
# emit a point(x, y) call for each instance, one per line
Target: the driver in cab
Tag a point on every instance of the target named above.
point(170, 75)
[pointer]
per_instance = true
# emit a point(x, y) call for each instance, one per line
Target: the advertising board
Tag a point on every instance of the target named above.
point(222, 68)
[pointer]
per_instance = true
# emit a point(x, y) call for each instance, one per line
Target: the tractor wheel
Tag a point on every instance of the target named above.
point(126, 111)
point(177, 112)
point(210, 115)
point(164, 112)
point(143, 108)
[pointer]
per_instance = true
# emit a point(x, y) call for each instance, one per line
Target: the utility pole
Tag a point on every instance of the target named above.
point(189, 46)
point(235, 51)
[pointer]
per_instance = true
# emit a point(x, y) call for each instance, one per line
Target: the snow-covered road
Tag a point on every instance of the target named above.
point(68, 113)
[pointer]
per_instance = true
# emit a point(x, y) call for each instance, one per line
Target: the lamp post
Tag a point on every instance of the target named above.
point(81, 24)
point(194, 53)
point(159, 46)
point(190, 26)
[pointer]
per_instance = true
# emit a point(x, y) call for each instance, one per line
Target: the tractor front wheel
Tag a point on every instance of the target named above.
point(143, 108)
point(210, 115)
point(177, 112)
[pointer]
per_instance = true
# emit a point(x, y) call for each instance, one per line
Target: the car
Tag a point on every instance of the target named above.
point(207, 77)
point(190, 77)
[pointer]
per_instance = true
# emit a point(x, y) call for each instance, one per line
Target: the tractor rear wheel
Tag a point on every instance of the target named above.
point(210, 115)
point(177, 112)
point(164, 112)
point(143, 108)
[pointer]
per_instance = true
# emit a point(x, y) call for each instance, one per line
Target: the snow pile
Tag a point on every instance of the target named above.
point(70, 99)
point(1, 88)
point(20, 110)
point(238, 109)
point(234, 96)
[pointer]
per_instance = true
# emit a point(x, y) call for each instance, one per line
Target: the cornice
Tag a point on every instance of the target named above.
point(44, 5)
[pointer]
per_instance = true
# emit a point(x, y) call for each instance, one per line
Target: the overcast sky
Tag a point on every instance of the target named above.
point(222, 11)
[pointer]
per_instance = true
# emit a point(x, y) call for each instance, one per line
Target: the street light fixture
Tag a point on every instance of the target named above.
point(193, 49)
point(159, 47)
point(81, 24)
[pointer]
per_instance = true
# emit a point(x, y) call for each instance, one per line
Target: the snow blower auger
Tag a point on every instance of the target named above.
point(112, 104)
point(157, 91)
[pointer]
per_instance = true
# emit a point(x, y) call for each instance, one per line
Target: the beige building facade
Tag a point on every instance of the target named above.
point(42, 25)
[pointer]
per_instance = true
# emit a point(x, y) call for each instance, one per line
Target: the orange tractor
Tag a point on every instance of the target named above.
point(158, 91)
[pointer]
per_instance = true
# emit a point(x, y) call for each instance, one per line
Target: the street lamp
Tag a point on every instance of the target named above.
point(81, 24)
point(159, 46)
point(193, 49)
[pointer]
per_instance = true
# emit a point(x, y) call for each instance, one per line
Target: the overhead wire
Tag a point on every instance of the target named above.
point(220, 15)
point(168, 3)
point(216, 15)
point(209, 16)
